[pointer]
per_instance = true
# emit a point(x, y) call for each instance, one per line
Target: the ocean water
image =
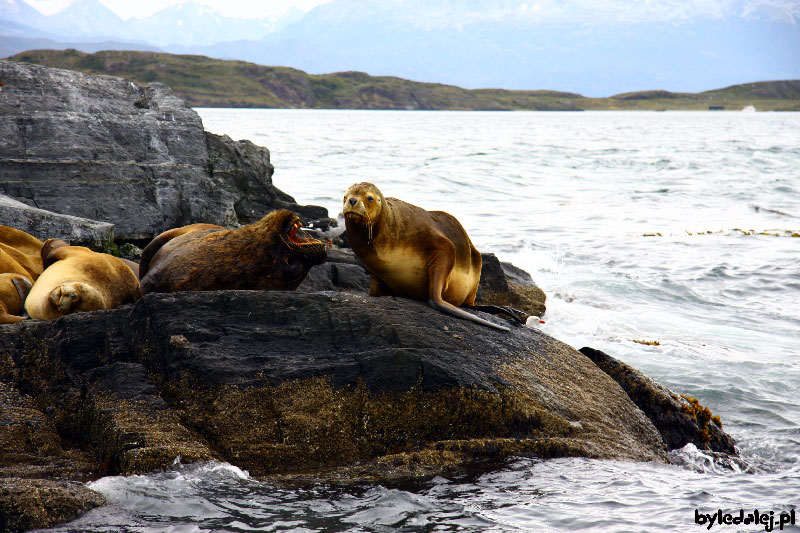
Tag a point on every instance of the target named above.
point(680, 227)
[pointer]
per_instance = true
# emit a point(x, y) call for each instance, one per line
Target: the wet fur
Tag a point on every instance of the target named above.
point(205, 257)
point(413, 253)
point(78, 279)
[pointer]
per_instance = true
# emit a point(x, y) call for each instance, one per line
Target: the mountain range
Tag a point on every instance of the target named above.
point(595, 48)
point(206, 82)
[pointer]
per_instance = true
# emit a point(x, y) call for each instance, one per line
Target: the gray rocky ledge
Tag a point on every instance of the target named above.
point(108, 150)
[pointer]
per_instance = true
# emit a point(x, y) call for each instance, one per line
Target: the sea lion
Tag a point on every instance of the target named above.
point(413, 253)
point(14, 288)
point(30, 264)
point(78, 279)
point(20, 253)
point(25, 243)
point(9, 265)
point(271, 254)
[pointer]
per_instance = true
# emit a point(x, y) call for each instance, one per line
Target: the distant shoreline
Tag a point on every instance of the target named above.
point(205, 82)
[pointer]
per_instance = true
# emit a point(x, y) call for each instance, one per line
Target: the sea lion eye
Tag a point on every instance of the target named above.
point(370, 199)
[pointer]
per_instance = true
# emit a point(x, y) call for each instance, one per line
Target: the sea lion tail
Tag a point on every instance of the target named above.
point(452, 310)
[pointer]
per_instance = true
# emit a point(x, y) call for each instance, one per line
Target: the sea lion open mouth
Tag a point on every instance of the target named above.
point(293, 236)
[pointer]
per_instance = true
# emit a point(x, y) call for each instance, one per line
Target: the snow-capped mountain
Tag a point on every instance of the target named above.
point(190, 24)
point(592, 47)
point(185, 24)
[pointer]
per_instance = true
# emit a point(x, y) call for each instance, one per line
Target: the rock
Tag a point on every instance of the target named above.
point(27, 504)
point(287, 382)
point(30, 450)
point(329, 384)
point(48, 225)
point(679, 418)
point(105, 149)
point(506, 285)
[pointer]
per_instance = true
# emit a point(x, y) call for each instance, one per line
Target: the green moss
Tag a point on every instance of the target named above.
point(308, 425)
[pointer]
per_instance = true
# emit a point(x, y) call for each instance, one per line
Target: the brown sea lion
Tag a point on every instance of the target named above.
point(413, 253)
point(27, 244)
point(14, 288)
point(20, 253)
point(78, 279)
point(9, 265)
point(271, 254)
point(31, 264)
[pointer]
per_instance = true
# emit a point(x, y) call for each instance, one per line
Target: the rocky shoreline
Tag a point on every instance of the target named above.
point(323, 382)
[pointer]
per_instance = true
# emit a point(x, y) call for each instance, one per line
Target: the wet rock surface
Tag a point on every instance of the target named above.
point(294, 383)
point(678, 418)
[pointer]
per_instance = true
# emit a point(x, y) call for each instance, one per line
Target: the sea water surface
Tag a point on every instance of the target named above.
point(681, 228)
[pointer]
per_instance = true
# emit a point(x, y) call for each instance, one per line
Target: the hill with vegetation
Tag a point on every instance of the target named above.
point(205, 82)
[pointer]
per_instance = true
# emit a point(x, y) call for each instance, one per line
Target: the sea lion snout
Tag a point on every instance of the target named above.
point(65, 297)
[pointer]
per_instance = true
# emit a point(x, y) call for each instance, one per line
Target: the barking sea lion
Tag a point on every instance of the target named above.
point(271, 254)
point(413, 253)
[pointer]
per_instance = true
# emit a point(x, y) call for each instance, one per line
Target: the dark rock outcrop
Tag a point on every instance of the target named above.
point(280, 382)
point(679, 418)
point(105, 149)
point(504, 284)
point(27, 504)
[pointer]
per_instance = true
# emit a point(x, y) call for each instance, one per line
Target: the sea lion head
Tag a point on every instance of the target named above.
point(49, 246)
point(362, 204)
point(300, 251)
point(73, 296)
point(287, 225)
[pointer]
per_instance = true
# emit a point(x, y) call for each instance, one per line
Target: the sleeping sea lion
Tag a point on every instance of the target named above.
point(27, 244)
point(78, 279)
point(20, 253)
point(413, 253)
point(30, 264)
point(14, 288)
point(271, 254)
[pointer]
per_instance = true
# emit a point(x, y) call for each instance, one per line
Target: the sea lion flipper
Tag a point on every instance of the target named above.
point(441, 264)
point(514, 314)
point(378, 288)
point(23, 286)
point(450, 309)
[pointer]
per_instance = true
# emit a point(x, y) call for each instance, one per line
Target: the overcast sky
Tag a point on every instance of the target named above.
point(621, 10)
point(144, 8)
